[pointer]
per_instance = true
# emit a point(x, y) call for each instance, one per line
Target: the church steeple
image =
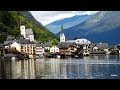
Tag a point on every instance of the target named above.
point(22, 27)
point(62, 29)
point(62, 36)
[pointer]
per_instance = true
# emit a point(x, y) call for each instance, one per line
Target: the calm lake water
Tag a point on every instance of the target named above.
point(92, 67)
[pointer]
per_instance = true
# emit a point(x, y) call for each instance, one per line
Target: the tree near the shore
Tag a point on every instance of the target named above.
point(53, 42)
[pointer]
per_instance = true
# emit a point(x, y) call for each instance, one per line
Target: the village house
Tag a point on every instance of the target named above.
point(11, 42)
point(39, 49)
point(54, 50)
point(64, 49)
point(117, 47)
point(28, 47)
point(102, 46)
point(95, 48)
point(99, 48)
point(47, 46)
point(72, 47)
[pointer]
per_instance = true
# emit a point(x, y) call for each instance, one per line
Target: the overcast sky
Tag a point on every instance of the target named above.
point(46, 17)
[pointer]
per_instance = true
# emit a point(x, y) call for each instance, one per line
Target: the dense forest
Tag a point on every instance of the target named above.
point(10, 22)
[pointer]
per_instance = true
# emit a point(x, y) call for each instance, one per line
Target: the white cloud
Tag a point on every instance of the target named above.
point(46, 17)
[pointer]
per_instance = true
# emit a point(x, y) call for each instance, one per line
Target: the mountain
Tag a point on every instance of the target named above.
point(104, 26)
point(67, 22)
point(10, 23)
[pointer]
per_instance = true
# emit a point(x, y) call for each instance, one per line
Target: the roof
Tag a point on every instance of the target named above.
point(8, 42)
point(25, 41)
point(40, 45)
point(46, 44)
point(9, 37)
point(64, 45)
point(28, 31)
point(82, 41)
point(71, 41)
point(102, 45)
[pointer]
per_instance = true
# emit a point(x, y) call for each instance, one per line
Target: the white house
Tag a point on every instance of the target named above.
point(47, 46)
point(16, 45)
point(62, 36)
point(27, 33)
point(54, 49)
point(12, 43)
point(95, 48)
point(85, 47)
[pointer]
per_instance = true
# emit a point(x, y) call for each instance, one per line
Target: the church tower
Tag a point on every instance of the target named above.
point(22, 29)
point(62, 36)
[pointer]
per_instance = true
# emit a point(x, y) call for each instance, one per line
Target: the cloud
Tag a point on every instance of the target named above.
point(46, 17)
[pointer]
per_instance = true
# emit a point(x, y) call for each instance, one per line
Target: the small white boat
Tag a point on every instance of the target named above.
point(76, 56)
point(58, 56)
point(108, 53)
point(13, 58)
point(114, 75)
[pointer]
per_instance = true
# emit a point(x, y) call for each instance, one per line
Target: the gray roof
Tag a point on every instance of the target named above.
point(8, 42)
point(63, 45)
point(46, 44)
point(25, 41)
point(9, 37)
point(28, 31)
point(40, 45)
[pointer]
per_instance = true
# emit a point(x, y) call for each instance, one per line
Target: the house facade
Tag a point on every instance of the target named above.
point(39, 50)
point(54, 49)
point(64, 49)
point(28, 47)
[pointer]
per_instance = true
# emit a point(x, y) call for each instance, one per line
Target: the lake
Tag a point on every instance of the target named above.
point(91, 67)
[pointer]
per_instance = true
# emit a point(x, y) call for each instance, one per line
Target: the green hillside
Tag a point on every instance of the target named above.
point(10, 23)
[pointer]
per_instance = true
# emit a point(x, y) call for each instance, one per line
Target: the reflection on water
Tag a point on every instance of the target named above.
point(93, 67)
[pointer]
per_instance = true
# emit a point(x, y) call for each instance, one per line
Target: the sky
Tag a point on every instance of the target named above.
point(46, 17)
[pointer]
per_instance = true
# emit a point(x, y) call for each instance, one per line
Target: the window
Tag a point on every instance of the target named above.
point(21, 47)
point(28, 50)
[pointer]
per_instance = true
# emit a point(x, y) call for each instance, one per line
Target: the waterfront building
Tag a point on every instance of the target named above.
point(47, 46)
point(102, 46)
point(11, 42)
point(54, 49)
point(21, 45)
point(73, 47)
point(39, 49)
point(95, 48)
point(28, 47)
point(64, 49)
